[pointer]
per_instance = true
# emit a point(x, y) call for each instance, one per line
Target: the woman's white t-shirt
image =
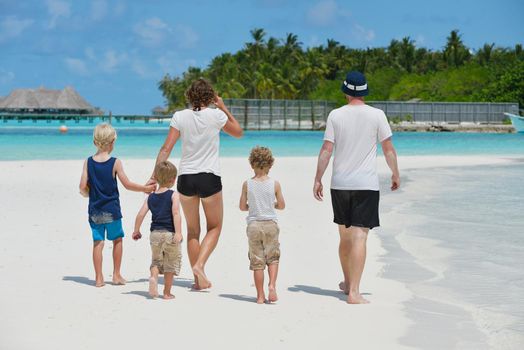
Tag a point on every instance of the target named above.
point(355, 131)
point(200, 136)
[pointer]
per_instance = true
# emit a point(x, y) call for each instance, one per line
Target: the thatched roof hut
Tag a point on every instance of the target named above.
point(43, 100)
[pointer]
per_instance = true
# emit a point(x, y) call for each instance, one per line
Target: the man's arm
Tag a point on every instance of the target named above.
point(323, 161)
point(391, 158)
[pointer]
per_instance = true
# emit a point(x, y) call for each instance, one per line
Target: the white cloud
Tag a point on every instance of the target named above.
point(11, 27)
point(154, 32)
point(76, 65)
point(323, 13)
point(143, 70)
point(170, 62)
point(362, 33)
point(57, 9)
point(6, 76)
point(107, 61)
point(112, 60)
point(98, 10)
point(185, 36)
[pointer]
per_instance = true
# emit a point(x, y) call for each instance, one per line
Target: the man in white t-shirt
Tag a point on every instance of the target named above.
point(352, 133)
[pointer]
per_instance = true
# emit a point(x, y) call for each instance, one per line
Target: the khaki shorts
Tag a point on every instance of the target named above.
point(264, 248)
point(166, 254)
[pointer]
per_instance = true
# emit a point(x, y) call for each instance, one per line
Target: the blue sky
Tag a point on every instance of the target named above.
point(114, 52)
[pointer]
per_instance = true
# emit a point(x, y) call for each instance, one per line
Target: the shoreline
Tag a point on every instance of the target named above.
point(438, 302)
point(456, 127)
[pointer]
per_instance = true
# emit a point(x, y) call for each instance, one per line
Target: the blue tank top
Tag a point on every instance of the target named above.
point(104, 203)
point(161, 205)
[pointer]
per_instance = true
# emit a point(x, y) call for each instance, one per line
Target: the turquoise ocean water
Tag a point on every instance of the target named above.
point(41, 140)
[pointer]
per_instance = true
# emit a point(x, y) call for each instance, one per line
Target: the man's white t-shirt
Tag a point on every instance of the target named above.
point(200, 136)
point(355, 131)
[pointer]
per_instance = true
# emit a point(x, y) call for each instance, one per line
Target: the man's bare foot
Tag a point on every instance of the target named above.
point(356, 299)
point(153, 287)
point(272, 297)
point(342, 286)
point(100, 283)
point(119, 280)
point(195, 286)
point(203, 282)
point(261, 299)
point(169, 296)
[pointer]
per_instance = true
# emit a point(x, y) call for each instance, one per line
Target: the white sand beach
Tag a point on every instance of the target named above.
point(48, 299)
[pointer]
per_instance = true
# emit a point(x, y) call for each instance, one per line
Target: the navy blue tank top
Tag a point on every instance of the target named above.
point(104, 203)
point(161, 205)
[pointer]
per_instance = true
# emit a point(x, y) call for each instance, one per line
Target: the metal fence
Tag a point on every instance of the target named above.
point(280, 114)
point(305, 114)
point(447, 112)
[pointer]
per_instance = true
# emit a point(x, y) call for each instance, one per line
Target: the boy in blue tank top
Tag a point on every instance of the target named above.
point(99, 183)
point(166, 229)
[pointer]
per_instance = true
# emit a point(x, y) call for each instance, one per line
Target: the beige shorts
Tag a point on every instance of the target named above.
point(166, 254)
point(264, 248)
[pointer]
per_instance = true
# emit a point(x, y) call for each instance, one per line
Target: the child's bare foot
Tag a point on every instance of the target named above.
point(342, 286)
point(261, 299)
point(153, 287)
point(356, 299)
point(119, 280)
point(169, 296)
point(272, 297)
point(203, 282)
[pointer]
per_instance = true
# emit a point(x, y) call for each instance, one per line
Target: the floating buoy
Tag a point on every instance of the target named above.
point(63, 129)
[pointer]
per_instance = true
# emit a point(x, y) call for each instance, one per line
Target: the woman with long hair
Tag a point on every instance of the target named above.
point(199, 179)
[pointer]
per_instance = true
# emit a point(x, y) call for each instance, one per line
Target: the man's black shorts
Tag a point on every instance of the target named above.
point(202, 184)
point(355, 207)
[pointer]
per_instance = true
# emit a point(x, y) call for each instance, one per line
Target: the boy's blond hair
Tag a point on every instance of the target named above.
point(261, 158)
point(103, 136)
point(165, 172)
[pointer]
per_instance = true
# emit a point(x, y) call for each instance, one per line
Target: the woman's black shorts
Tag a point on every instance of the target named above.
point(202, 184)
point(355, 207)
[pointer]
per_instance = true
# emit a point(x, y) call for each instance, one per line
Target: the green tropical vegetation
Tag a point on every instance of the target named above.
point(271, 68)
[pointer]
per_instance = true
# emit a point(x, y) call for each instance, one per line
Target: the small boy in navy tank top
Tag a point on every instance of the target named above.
point(99, 183)
point(261, 195)
point(166, 229)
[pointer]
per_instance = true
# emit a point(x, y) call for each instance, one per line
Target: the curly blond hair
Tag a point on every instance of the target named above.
point(200, 94)
point(261, 158)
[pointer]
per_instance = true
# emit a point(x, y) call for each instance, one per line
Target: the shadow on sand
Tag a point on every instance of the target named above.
point(90, 282)
point(319, 291)
point(239, 297)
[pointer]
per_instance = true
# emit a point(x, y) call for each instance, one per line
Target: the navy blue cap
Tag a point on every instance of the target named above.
point(355, 85)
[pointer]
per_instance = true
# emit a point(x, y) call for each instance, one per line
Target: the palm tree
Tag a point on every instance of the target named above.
point(407, 53)
point(455, 52)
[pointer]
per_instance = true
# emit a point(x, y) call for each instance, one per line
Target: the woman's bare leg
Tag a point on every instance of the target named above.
point(191, 208)
point(214, 211)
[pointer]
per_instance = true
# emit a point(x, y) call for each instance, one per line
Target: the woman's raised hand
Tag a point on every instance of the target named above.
point(219, 102)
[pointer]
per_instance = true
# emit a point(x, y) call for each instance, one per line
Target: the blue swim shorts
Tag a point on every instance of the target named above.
point(114, 230)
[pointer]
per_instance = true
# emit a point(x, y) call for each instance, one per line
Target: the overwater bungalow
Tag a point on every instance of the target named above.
point(45, 101)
